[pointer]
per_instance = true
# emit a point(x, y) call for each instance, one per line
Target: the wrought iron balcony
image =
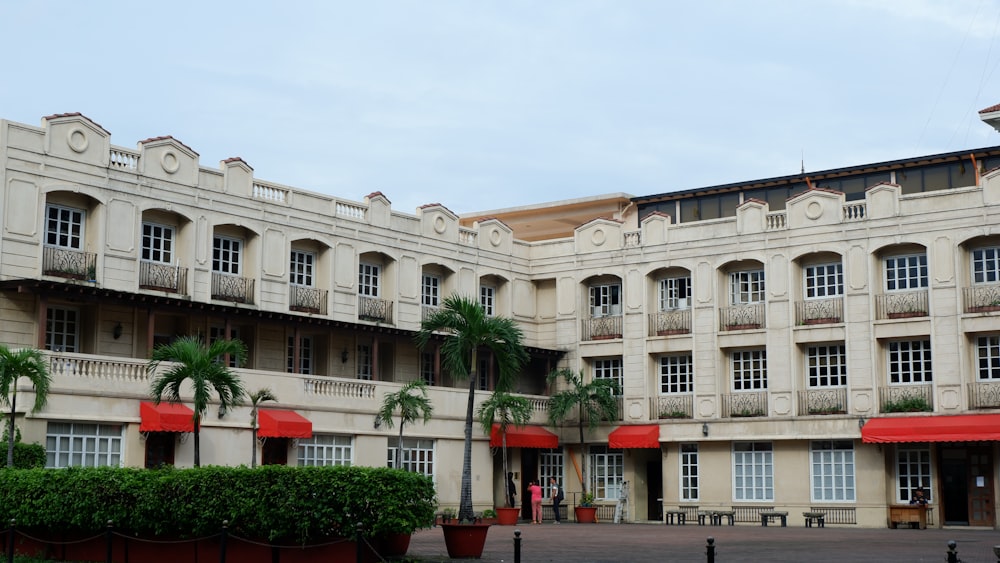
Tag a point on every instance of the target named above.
point(742, 317)
point(427, 310)
point(901, 305)
point(665, 323)
point(162, 277)
point(69, 263)
point(906, 398)
point(744, 405)
point(819, 311)
point(672, 406)
point(226, 287)
point(981, 298)
point(374, 309)
point(823, 401)
point(307, 299)
point(602, 328)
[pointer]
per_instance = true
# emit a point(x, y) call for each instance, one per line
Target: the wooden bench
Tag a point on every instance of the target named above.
point(769, 516)
point(913, 514)
point(668, 517)
point(716, 517)
point(818, 517)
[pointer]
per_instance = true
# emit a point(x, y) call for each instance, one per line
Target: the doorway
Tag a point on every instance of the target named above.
point(966, 486)
point(160, 449)
point(654, 490)
point(274, 452)
point(529, 472)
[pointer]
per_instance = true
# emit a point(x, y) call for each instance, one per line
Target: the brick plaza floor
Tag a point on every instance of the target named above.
point(640, 543)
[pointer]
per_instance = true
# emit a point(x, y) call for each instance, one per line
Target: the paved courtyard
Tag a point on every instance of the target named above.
point(640, 543)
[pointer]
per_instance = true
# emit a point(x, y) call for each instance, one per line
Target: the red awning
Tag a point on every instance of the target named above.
point(642, 436)
point(960, 428)
point(524, 437)
point(165, 417)
point(283, 424)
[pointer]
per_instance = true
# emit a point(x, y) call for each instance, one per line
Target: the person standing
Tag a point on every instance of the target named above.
point(536, 502)
point(511, 490)
point(557, 497)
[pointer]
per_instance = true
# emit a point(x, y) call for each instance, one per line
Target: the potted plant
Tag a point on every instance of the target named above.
point(586, 512)
point(594, 401)
point(465, 328)
point(489, 516)
point(503, 409)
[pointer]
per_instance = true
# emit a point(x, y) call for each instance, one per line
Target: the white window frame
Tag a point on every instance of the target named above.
point(610, 368)
point(84, 444)
point(985, 264)
point(905, 272)
point(430, 290)
point(326, 450)
point(64, 227)
point(227, 255)
point(606, 300)
point(676, 374)
point(369, 277)
point(988, 357)
point(427, 368)
point(550, 464)
point(364, 361)
point(302, 267)
point(824, 281)
point(753, 472)
point(157, 243)
point(305, 355)
point(675, 293)
point(826, 366)
point(746, 287)
point(832, 471)
point(418, 455)
point(913, 469)
point(607, 472)
point(909, 362)
point(62, 329)
point(488, 298)
point(689, 474)
point(749, 370)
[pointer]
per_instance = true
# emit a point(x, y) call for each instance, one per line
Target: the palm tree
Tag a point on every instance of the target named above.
point(467, 328)
point(256, 398)
point(207, 371)
point(411, 406)
point(26, 362)
point(593, 402)
point(504, 409)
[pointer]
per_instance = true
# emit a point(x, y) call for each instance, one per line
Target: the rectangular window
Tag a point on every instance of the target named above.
point(753, 471)
point(325, 450)
point(608, 472)
point(305, 355)
point(988, 357)
point(689, 473)
point(676, 375)
point(832, 471)
point(64, 227)
point(986, 265)
point(824, 281)
point(749, 370)
point(605, 300)
point(913, 469)
point(76, 444)
point(301, 267)
point(910, 361)
point(903, 273)
point(827, 365)
point(483, 373)
point(550, 464)
point(368, 279)
point(418, 455)
point(157, 243)
point(675, 293)
point(219, 333)
point(487, 298)
point(427, 368)
point(364, 362)
point(430, 291)
point(226, 254)
point(62, 330)
point(746, 287)
point(610, 368)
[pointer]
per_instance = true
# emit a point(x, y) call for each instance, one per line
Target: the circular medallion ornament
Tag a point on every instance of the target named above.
point(169, 162)
point(77, 140)
point(814, 210)
point(598, 237)
point(439, 225)
point(495, 237)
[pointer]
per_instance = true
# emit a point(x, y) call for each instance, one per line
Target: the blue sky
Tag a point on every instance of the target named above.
point(482, 105)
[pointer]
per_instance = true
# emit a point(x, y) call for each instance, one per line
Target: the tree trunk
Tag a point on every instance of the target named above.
point(465, 503)
point(253, 449)
point(399, 445)
point(197, 440)
point(583, 455)
point(10, 432)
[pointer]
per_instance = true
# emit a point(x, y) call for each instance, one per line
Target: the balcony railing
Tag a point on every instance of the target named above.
point(671, 406)
point(349, 388)
point(665, 323)
point(984, 395)
point(742, 317)
point(744, 405)
point(69, 263)
point(906, 398)
point(374, 309)
point(427, 310)
point(162, 277)
point(602, 328)
point(823, 401)
point(819, 311)
point(306, 299)
point(226, 287)
point(901, 305)
point(981, 298)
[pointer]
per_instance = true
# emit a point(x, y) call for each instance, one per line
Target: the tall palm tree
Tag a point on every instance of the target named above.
point(412, 403)
point(467, 328)
point(256, 398)
point(594, 401)
point(206, 370)
point(504, 409)
point(15, 364)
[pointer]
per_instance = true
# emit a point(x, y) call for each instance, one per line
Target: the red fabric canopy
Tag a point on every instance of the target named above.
point(165, 417)
point(960, 428)
point(283, 424)
point(524, 437)
point(642, 436)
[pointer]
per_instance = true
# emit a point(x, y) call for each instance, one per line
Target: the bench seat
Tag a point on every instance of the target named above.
point(769, 516)
point(818, 517)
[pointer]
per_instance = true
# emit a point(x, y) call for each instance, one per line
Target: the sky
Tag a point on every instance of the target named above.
point(483, 105)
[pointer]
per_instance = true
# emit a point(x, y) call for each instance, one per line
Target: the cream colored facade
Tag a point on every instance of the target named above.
point(107, 251)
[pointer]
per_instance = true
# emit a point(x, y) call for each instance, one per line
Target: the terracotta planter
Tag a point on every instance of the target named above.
point(752, 326)
point(984, 309)
point(586, 514)
point(822, 321)
point(671, 332)
point(392, 545)
point(507, 516)
point(465, 541)
point(907, 314)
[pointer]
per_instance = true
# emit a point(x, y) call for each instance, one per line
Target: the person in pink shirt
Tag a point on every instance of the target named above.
point(536, 502)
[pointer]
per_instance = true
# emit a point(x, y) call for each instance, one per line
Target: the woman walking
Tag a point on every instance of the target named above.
point(536, 502)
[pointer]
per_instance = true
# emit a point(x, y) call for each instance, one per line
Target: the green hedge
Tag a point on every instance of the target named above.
point(26, 456)
point(282, 504)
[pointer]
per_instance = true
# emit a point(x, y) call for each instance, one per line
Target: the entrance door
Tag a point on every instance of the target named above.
point(160, 449)
point(274, 452)
point(654, 490)
point(980, 487)
point(967, 486)
point(529, 472)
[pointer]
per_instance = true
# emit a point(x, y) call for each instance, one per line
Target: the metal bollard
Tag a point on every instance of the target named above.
point(710, 550)
point(359, 540)
point(109, 538)
point(517, 546)
point(222, 541)
point(952, 552)
point(10, 541)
